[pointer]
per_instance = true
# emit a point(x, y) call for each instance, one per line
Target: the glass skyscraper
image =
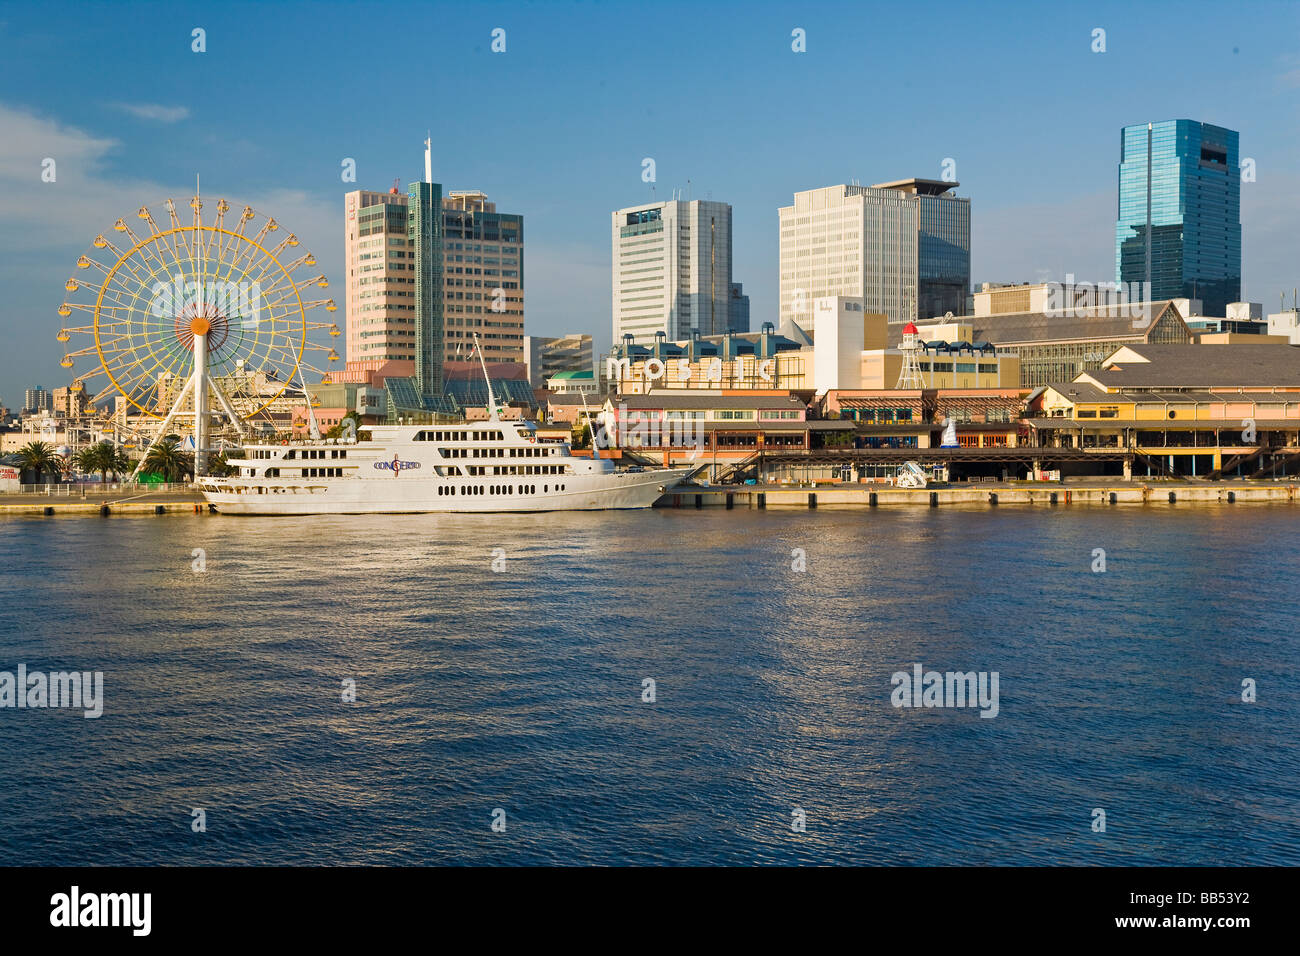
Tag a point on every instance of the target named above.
point(424, 233)
point(942, 251)
point(483, 252)
point(1195, 212)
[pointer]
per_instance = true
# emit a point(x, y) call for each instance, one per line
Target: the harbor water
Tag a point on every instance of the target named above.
point(656, 687)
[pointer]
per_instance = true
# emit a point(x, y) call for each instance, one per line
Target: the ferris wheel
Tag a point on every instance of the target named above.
point(181, 313)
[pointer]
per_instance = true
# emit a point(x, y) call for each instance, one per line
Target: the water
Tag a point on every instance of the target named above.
point(522, 690)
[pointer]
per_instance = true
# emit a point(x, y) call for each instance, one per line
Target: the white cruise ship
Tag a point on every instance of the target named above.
point(491, 465)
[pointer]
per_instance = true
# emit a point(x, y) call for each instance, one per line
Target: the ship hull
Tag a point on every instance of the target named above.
point(419, 495)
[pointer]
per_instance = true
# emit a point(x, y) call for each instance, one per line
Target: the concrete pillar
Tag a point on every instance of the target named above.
point(1128, 469)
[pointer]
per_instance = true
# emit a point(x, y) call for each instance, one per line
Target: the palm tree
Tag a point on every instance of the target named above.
point(219, 467)
point(39, 457)
point(86, 460)
point(100, 457)
point(165, 458)
point(122, 464)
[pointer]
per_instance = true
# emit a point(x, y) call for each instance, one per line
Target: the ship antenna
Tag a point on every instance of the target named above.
point(591, 427)
point(492, 402)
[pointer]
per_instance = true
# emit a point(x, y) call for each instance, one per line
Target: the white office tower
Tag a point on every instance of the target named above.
point(902, 247)
point(672, 269)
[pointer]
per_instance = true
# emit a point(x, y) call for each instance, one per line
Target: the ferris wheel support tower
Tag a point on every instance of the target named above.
point(200, 384)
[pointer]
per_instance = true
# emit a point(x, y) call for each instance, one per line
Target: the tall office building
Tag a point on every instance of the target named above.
point(546, 356)
point(483, 267)
point(943, 246)
point(672, 269)
point(738, 319)
point(38, 399)
point(1182, 177)
point(903, 247)
point(393, 251)
point(380, 276)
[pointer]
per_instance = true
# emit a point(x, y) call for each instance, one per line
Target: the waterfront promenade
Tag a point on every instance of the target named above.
point(1097, 491)
point(1084, 492)
point(93, 502)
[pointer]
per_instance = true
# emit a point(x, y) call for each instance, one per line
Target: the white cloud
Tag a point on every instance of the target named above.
point(154, 111)
point(45, 226)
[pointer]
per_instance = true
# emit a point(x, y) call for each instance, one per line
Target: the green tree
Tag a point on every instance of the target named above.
point(86, 460)
point(100, 457)
point(219, 467)
point(123, 464)
point(336, 431)
point(166, 459)
point(39, 457)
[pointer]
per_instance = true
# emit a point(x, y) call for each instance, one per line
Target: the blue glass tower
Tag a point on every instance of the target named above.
point(424, 231)
point(1189, 172)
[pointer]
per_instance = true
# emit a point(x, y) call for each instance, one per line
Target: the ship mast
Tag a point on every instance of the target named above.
point(492, 402)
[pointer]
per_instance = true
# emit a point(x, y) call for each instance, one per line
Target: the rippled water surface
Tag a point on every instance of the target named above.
point(522, 690)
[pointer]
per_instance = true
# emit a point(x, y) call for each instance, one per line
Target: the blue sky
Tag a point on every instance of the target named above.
point(556, 127)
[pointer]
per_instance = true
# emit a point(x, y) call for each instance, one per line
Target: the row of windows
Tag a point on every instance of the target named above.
point(529, 470)
point(460, 436)
point(494, 489)
point(990, 368)
point(317, 453)
point(883, 415)
point(322, 473)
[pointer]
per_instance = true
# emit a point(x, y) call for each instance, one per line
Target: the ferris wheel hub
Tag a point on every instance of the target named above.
point(199, 325)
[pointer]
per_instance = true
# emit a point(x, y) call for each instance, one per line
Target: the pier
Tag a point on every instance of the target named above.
point(819, 494)
point(979, 494)
point(104, 504)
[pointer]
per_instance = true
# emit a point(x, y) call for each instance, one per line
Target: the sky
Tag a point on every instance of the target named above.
point(556, 127)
